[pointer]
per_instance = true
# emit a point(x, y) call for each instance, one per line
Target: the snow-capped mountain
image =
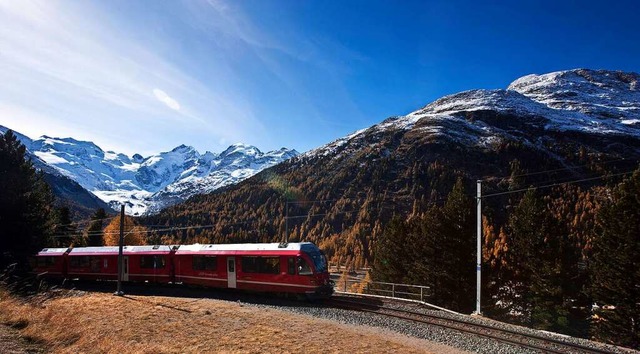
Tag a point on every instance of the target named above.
point(595, 102)
point(542, 130)
point(147, 184)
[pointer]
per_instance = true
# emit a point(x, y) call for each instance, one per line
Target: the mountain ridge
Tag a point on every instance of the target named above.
point(146, 184)
point(404, 164)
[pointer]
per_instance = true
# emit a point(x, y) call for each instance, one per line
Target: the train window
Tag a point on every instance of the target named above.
point(152, 262)
point(266, 265)
point(79, 262)
point(95, 264)
point(45, 261)
point(291, 266)
point(249, 265)
point(303, 267)
point(205, 263)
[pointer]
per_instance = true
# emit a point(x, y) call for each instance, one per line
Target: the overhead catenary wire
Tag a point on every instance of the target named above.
point(556, 184)
point(86, 221)
point(549, 171)
point(163, 228)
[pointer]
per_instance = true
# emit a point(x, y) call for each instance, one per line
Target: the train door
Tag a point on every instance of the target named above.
point(231, 272)
point(125, 268)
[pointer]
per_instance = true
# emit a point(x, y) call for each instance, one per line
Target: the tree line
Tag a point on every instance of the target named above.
point(565, 262)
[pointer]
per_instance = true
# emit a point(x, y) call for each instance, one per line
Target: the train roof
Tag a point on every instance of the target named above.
point(115, 249)
point(240, 247)
point(53, 251)
point(186, 249)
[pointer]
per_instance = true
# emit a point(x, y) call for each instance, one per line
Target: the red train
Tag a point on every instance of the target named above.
point(292, 268)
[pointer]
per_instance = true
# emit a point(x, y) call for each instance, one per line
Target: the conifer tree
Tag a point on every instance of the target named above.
point(25, 203)
point(525, 233)
point(541, 265)
point(64, 231)
point(94, 231)
point(614, 268)
point(390, 264)
point(442, 251)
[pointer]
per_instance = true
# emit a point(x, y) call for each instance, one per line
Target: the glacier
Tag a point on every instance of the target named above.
point(148, 184)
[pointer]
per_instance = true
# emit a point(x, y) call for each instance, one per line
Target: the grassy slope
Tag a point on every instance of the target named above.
point(95, 322)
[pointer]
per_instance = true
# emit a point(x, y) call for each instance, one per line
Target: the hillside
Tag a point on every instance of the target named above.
point(67, 192)
point(184, 322)
point(585, 122)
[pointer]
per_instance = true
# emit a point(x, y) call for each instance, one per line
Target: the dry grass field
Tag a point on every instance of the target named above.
point(85, 322)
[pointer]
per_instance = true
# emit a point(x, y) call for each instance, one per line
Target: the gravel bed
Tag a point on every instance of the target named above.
point(436, 334)
point(507, 326)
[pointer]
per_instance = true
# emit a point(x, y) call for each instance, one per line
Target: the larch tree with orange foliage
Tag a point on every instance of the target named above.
point(134, 234)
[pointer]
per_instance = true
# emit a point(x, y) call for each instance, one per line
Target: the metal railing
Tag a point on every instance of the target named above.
point(356, 285)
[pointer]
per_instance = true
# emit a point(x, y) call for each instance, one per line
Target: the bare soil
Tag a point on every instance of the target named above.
point(99, 322)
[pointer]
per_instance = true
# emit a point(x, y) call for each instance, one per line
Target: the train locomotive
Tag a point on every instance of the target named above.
point(285, 268)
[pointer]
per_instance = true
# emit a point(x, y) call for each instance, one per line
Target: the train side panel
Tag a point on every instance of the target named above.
point(50, 263)
point(204, 269)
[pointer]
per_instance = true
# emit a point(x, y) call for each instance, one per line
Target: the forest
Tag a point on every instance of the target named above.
point(559, 249)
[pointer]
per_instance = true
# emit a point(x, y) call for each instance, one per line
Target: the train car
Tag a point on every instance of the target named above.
point(150, 263)
point(93, 263)
point(140, 263)
point(51, 263)
point(289, 268)
point(293, 268)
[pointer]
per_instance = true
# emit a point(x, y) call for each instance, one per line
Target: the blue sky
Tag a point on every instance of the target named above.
point(145, 76)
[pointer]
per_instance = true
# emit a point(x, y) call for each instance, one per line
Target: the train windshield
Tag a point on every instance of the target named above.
point(319, 260)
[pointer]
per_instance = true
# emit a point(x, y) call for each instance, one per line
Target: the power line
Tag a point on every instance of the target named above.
point(85, 221)
point(174, 228)
point(548, 171)
point(556, 184)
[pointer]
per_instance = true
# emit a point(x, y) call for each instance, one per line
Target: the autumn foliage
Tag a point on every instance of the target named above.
point(134, 234)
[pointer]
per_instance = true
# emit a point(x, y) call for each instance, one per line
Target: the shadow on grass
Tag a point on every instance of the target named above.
point(183, 291)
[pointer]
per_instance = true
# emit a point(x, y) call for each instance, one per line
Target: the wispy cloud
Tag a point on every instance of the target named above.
point(166, 99)
point(230, 26)
point(58, 60)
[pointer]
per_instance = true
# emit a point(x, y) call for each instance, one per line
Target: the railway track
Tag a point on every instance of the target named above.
point(525, 340)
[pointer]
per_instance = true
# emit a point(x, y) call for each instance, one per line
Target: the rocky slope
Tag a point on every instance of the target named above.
point(67, 192)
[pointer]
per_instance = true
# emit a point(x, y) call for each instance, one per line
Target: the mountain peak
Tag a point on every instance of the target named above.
point(599, 94)
point(137, 158)
point(183, 148)
point(241, 148)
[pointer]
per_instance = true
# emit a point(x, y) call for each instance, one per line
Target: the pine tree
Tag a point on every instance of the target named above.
point(525, 234)
point(25, 203)
point(64, 231)
point(94, 231)
point(390, 263)
point(541, 266)
point(441, 250)
point(615, 273)
point(427, 252)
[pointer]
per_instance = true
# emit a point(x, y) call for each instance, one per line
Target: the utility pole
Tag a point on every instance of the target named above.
point(120, 258)
point(479, 247)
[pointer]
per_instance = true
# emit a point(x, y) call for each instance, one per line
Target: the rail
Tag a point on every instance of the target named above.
point(358, 285)
point(538, 342)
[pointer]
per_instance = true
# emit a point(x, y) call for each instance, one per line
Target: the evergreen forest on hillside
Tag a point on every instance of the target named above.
point(556, 256)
